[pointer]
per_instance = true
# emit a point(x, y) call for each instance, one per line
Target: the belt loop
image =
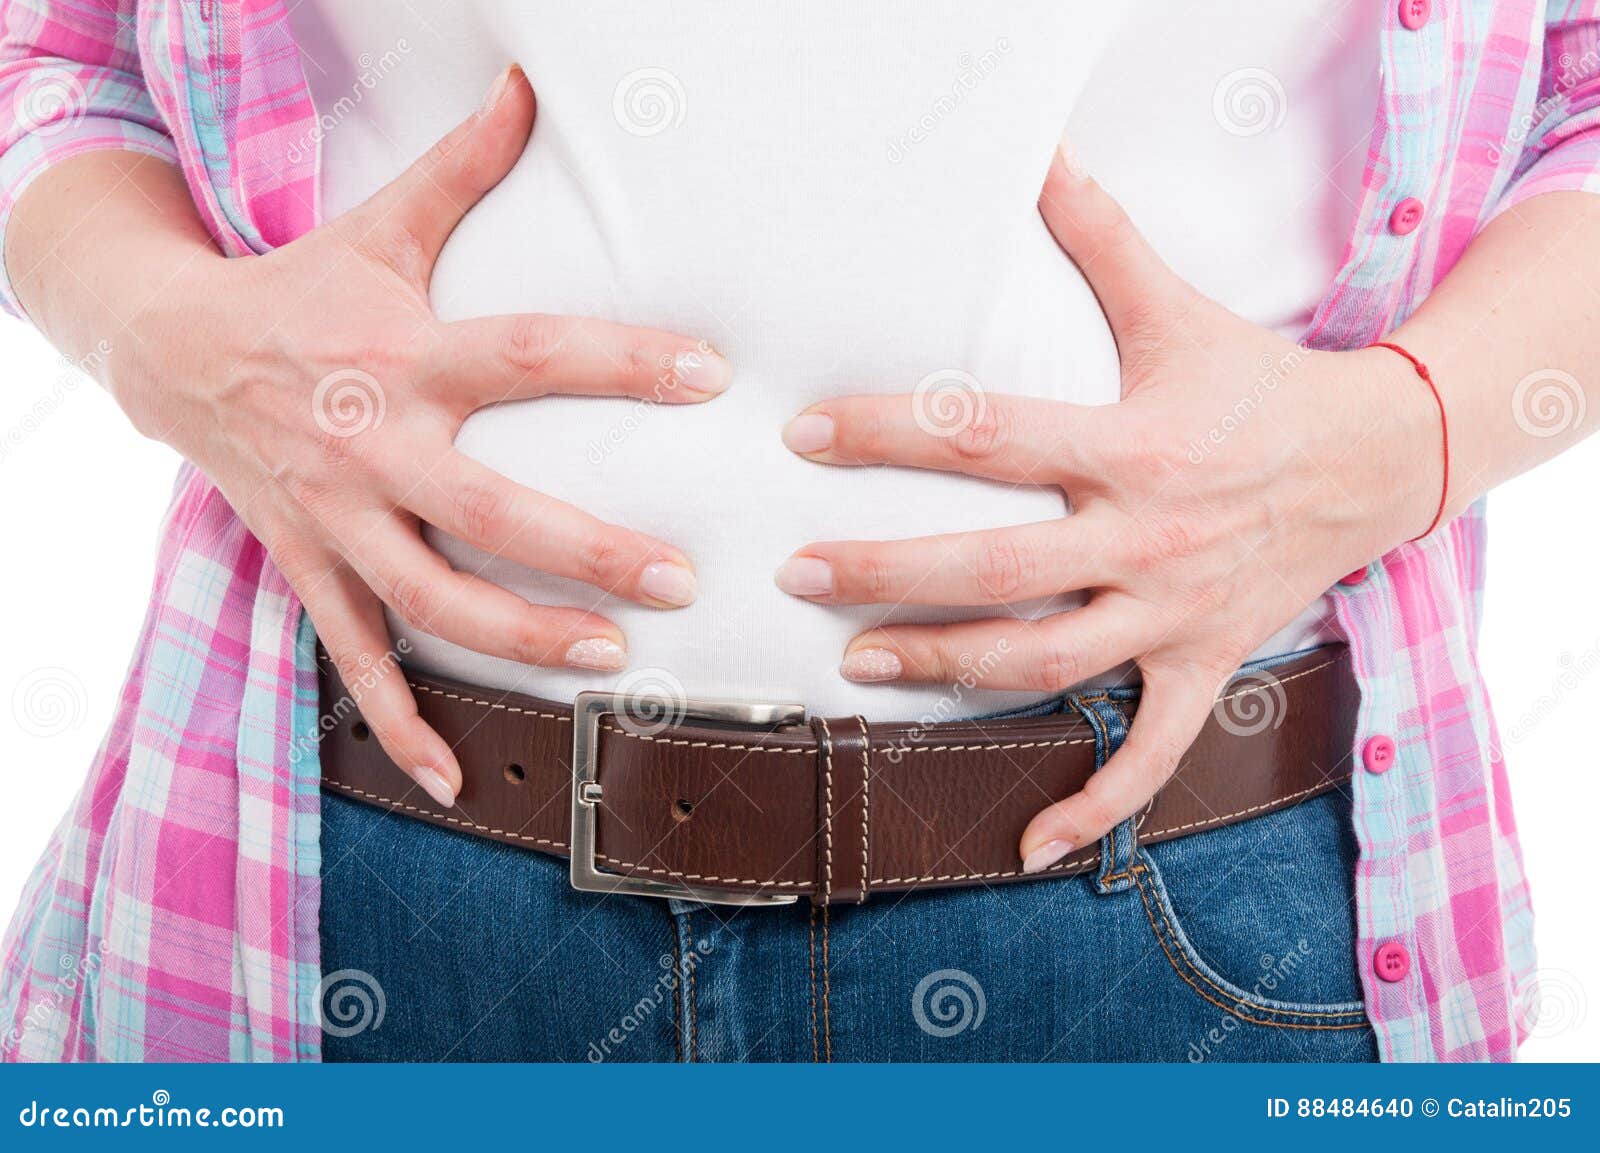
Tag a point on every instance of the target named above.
point(1119, 847)
point(844, 809)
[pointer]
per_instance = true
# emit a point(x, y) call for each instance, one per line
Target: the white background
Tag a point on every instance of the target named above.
point(81, 496)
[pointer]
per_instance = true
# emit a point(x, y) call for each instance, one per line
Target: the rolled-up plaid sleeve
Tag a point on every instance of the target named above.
point(70, 82)
point(1560, 149)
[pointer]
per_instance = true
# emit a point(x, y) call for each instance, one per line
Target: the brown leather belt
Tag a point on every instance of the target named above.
point(762, 805)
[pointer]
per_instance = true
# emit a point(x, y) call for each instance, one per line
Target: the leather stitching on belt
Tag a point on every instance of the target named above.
point(430, 815)
point(768, 749)
point(866, 805)
point(1072, 864)
point(827, 823)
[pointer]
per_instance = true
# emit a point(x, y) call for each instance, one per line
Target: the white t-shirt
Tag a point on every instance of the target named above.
point(841, 196)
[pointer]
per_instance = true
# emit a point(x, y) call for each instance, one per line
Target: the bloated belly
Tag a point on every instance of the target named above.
point(1008, 314)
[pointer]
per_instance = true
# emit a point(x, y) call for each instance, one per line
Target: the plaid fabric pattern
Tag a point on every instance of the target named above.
point(175, 914)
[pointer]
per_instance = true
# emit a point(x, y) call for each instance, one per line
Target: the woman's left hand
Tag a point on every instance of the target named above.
point(1240, 477)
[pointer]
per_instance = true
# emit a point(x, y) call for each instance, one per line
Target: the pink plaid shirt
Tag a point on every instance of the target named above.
point(175, 915)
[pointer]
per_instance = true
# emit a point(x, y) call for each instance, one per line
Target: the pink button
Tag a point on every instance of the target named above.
point(1391, 962)
point(1354, 578)
point(1414, 13)
point(1378, 754)
point(1406, 216)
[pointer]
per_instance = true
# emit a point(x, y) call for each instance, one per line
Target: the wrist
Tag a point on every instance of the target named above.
point(1400, 450)
point(158, 379)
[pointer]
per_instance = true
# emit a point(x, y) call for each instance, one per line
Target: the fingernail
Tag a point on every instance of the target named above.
point(809, 432)
point(498, 89)
point(601, 654)
point(870, 665)
point(670, 584)
point(1072, 162)
point(435, 786)
point(1045, 855)
point(703, 370)
point(805, 576)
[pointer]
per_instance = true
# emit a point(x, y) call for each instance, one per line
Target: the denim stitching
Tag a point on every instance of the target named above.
point(813, 952)
point(1105, 735)
point(694, 1018)
point(1235, 1008)
point(827, 993)
point(677, 992)
point(1196, 962)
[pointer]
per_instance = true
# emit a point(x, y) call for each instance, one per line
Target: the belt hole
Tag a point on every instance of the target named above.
point(360, 731)
point(516, 774)
point(682, 810)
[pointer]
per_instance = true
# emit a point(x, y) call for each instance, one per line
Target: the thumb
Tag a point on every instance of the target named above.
point(426, 202)
point(1133, 284)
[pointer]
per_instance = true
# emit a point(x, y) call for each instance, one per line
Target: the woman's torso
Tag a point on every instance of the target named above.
point(839, 196)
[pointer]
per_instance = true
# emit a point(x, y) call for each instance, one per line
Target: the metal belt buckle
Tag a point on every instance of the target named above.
point(587, 712)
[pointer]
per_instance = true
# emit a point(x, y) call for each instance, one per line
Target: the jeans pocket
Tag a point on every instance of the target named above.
point(1257, 919)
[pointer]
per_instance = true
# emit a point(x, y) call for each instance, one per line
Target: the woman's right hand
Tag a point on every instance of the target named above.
point(318, 391)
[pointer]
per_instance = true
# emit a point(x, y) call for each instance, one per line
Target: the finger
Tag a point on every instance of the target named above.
point(467, 500)
point(424, 204)
point(993, 567)
point(349, 621)
point(1009, 438)
point(430, 596)
point(1131, 282)
point(497, 358)
point(1045, 656)
point(1172, 710)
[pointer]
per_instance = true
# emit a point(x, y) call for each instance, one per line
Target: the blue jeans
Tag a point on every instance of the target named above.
point(1231, 945)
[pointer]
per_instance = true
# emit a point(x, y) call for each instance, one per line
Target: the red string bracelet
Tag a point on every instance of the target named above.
point(1444, 429)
